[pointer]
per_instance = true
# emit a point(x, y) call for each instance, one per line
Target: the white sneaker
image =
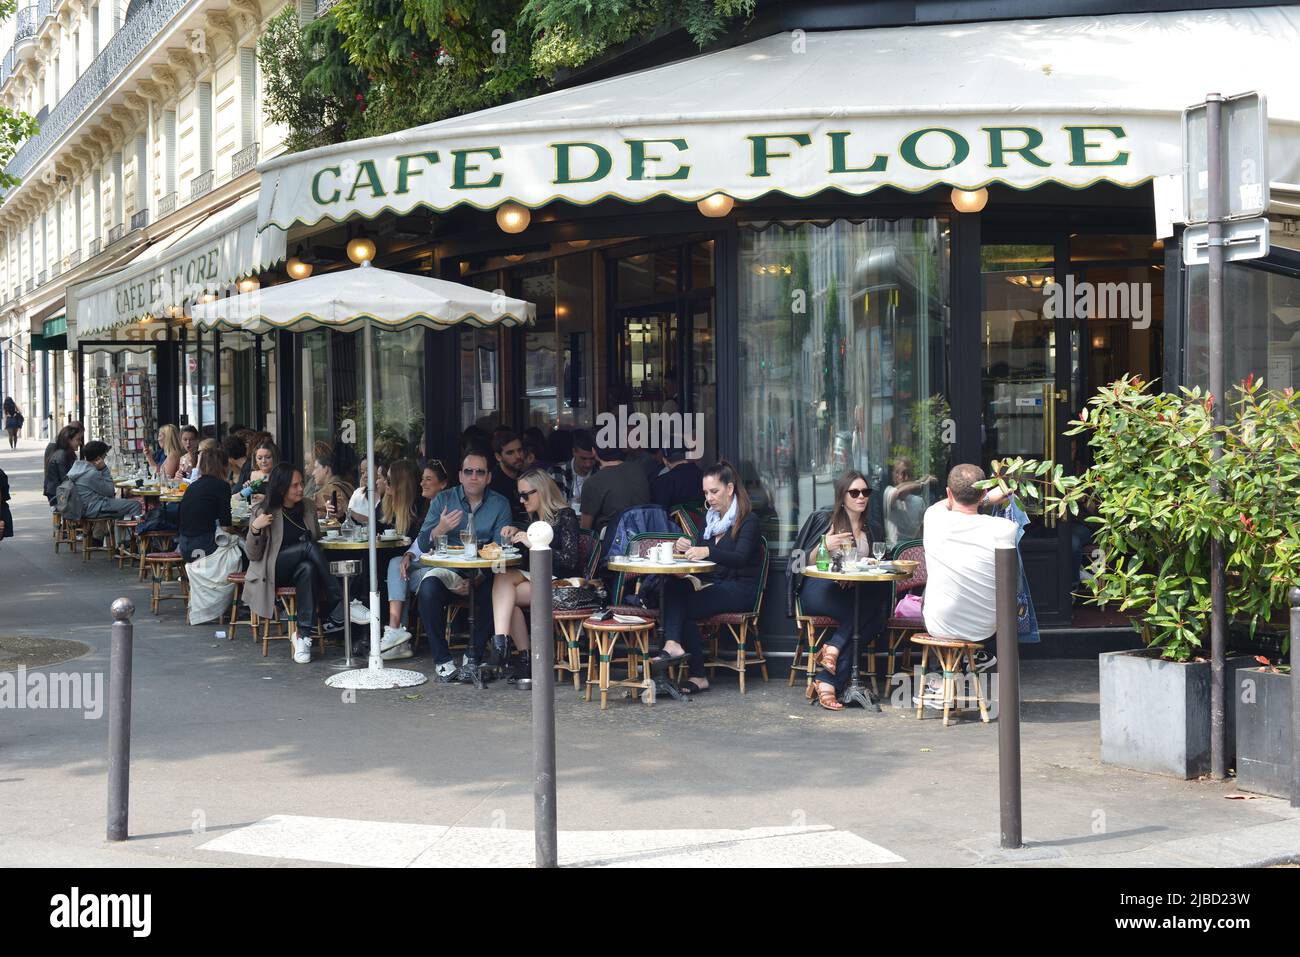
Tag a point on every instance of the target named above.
point(359, 613)
point(393, 637)
point(302, 650)
point(403, 650)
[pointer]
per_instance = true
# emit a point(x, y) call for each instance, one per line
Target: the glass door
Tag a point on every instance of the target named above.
point(646, 342)
point(1027, 353)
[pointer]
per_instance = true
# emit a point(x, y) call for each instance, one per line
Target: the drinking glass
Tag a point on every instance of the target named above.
point(878, 550)
point(442, 544)
point(466, 538)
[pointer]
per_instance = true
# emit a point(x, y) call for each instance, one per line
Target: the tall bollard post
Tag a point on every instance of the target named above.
point(119, 720)
point(1006, 578)
point(542, 650)
point(1295, 698)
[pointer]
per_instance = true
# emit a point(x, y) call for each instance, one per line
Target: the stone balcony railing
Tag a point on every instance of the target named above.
point(116, 233)
point(243, 161)
point(139, 219)
point(167, 205)
point(201, 185)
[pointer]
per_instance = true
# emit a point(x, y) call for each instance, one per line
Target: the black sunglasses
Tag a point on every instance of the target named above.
point(473, 471)
point(858, 492)
point(525, 496)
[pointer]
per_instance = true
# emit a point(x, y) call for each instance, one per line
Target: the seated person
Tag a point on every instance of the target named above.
point(190, 451)
point(449, 514)
point(358, 509)
point(960, 548)
point(680, 484)
point(60, 459)
point(575, 466)
point(731, 539)
point(845, 529)
point(283, 552)
point(904, 503)
point(170, 450)
point(236, 454)
point(511, 589)
point(405, 571)
point(618, 485)
point(265, 457)
point(333, 491)
point(94, 483)
point(204, 507)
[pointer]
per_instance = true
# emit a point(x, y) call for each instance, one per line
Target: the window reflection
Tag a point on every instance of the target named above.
point(843, 364)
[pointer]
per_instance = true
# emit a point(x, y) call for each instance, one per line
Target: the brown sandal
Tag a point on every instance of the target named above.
point(827, 656)
point(824, 695)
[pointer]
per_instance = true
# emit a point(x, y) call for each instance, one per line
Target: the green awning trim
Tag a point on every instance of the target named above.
point(58, 326)
point(49, 343)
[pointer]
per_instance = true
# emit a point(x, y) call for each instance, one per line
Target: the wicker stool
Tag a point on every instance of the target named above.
point(236, 579)
point(602, 636)
point(126, 550)
point(287, 598)
point(949, 651)
point(161, 565)
point(86, 529)
point(568, 648)
point(155, 541)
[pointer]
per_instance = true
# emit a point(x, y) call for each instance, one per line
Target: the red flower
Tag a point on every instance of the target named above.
point(1249, 525)
point(1250, 380)
point(361, 97)
point(1209, 402)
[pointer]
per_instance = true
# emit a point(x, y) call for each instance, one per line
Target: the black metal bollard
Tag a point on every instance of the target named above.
point(1295, 698)
point(119, 720)
point(1006, 579)
point(542, 649)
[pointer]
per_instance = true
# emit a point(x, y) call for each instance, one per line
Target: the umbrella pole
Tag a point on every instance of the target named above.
point(376, 661)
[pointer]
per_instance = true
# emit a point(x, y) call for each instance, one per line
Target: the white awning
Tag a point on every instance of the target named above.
point(1074, 100)
point(205, 258)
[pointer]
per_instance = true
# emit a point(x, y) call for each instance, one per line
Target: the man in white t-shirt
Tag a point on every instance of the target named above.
point(960, 546)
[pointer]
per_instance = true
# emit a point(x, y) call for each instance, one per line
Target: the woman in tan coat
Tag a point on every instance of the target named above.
point(283, 552)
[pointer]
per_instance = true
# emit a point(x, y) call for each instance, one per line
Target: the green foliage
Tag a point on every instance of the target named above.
point(396, 437)
point(1149, 500)
point(368, 67)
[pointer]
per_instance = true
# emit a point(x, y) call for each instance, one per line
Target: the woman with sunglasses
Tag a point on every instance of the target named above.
point(845, 528)
point(403, 576)
point(542, 499)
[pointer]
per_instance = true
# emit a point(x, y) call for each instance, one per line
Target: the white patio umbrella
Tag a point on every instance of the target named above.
point(364, 298)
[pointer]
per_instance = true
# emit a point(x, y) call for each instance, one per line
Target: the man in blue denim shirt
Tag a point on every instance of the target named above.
point(449, 514)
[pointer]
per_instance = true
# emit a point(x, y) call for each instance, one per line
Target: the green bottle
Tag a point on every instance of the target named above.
point(823, 556)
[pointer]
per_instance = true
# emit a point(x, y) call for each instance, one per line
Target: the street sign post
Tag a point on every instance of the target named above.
point(1242, 189)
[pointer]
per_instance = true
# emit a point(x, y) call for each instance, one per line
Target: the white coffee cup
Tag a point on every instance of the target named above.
point(332, 533)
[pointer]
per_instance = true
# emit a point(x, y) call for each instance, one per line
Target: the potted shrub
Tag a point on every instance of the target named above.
point(1264, 750)
point(1148, 499)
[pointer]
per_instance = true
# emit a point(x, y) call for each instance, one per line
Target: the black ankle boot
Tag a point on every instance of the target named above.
point(499, 651)
point(522, 668)
point(471, 672)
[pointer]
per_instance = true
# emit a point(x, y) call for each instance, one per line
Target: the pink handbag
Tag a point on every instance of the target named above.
point(909, 606)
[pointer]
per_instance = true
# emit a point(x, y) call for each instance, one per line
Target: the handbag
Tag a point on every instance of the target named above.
point(570, 597)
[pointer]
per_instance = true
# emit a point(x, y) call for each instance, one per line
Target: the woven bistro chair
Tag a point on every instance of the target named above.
point(739, 625)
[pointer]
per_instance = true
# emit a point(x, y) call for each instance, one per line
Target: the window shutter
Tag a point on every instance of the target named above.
point(98, 206)
point(58, 229)
point(247, 96)
point(45, 241)
point(76, 216)
point(169, 142)
point(141, 172)
point(117, 188)
point(94, 31)
point(306, 12)
point(204, 94)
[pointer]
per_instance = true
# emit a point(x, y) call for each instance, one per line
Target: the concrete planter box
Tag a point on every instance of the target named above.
point(1263, 732)
point(1155, 715)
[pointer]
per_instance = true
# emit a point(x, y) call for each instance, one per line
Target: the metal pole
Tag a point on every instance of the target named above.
point(119, 720)
point(1218, 590)
point(1295, 698)
point(1006, 577)
point(376, 660)
point(542, 648)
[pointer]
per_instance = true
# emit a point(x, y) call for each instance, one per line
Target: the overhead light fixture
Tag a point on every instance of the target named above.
point(464, 267)
point(513, 218)
point(515, 258)
point(579, 243)
point(208, 297)
point(716, 206)
point(968, 200)
point(296, 267)
point(248, 284)
point(361, 249)
point(561, 310)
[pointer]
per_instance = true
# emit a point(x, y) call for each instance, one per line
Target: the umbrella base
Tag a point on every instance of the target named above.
point(365, 679)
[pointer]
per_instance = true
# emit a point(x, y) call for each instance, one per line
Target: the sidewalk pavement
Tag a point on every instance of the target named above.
point(240, 760)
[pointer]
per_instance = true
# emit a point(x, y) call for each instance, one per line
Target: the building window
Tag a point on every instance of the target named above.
point(1263, 304)
point(94, 31)
point(399, 394)
point(843, 342)
point(203, 96)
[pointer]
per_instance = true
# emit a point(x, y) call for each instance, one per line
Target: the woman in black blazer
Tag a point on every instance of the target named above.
point(731, 538)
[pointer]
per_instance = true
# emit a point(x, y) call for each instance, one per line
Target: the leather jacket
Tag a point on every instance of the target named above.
point(816, 525)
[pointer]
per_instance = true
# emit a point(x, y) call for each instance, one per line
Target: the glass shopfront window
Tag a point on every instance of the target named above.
point(121, 389)
point(1262, 326)
point(844, 330)
point(399, 395)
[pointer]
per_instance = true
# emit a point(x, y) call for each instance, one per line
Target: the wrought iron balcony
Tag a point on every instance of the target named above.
point(25, 22)
point(116, 233)
point(96, 245)
point(243, 161)
point(45, 8)
point(74, 260)
point(323, 5)
point(201, 184)
point(31, 284)
point(139, 220)
point(122, 50)
point(57, 269)
point(167, 205)
point(40, 278)
point(7, 65)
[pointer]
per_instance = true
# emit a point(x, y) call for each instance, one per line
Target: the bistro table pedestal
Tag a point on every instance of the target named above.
point(856, 692)
point(454, 559)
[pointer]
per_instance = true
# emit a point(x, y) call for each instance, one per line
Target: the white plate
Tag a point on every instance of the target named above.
point(629, 620)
